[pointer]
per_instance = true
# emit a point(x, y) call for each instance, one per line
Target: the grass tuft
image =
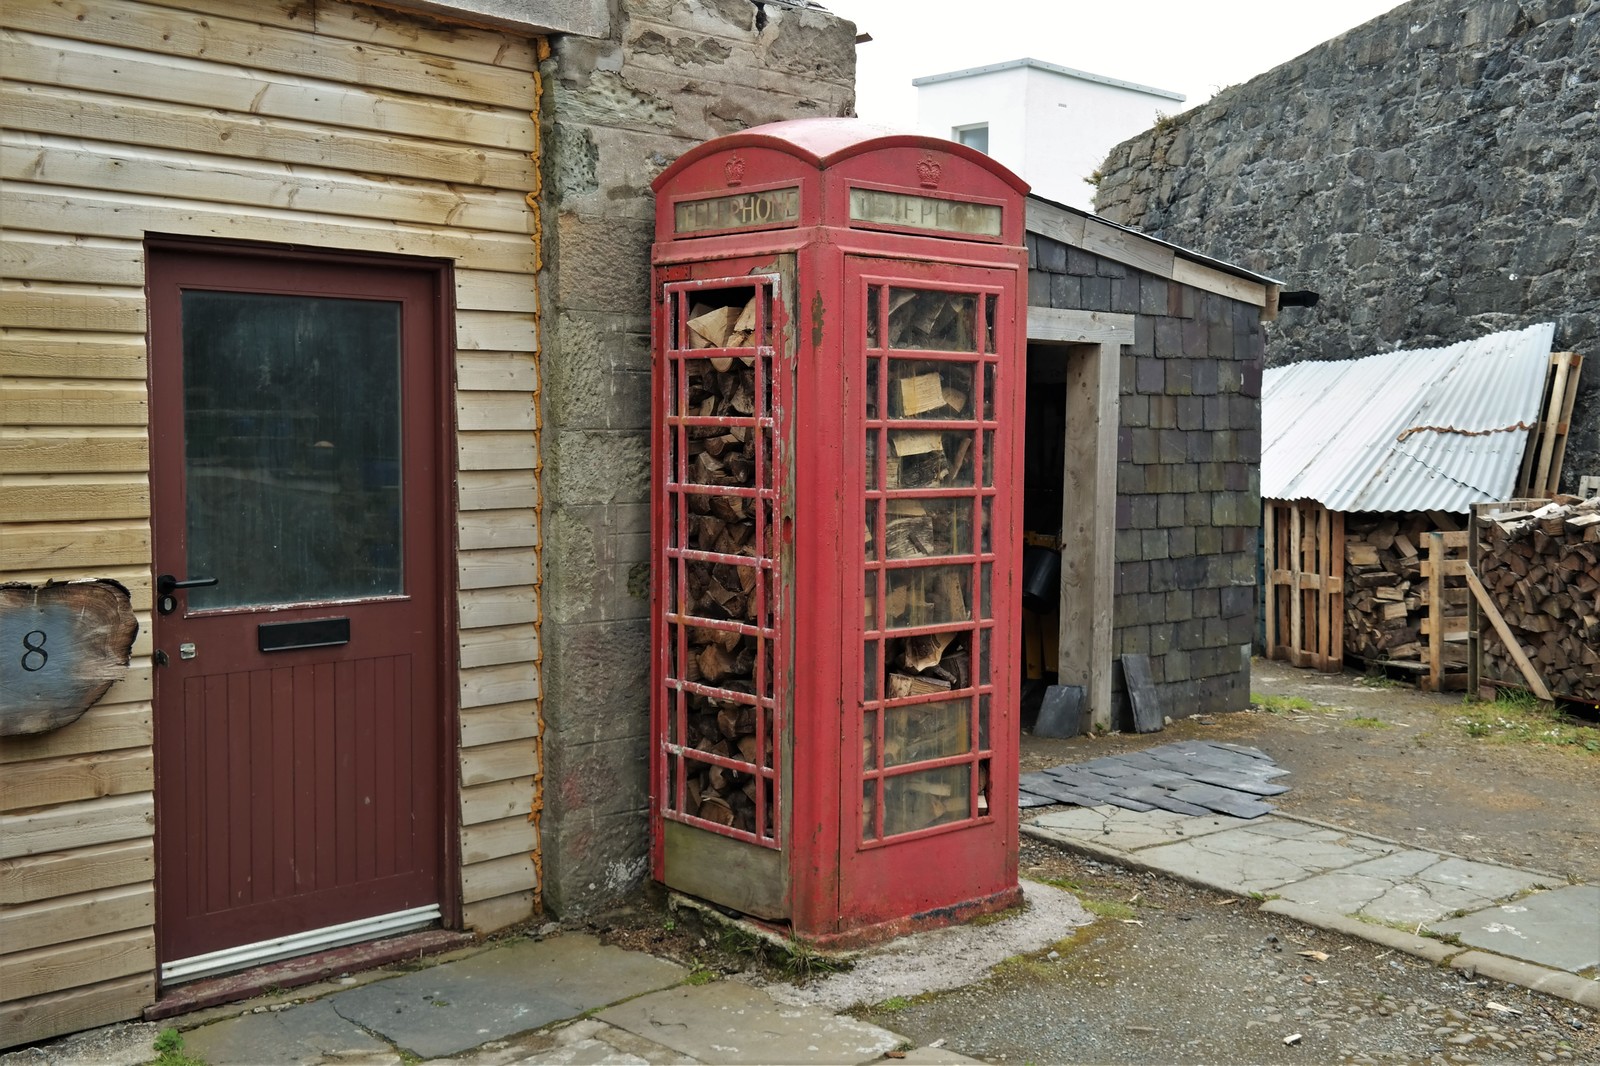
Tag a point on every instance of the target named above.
point(1281, 704)
point(1516, 716)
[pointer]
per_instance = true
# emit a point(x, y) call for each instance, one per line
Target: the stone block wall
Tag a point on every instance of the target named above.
point(1188, 473)
point(617, 112)
point(1434, 174)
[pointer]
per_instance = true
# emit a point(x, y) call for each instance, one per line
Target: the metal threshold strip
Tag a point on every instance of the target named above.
point(284, 947)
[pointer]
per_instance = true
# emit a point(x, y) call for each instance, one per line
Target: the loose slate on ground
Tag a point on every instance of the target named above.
point(1197, 777)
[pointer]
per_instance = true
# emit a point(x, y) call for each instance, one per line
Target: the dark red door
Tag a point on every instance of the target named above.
point(295, 430)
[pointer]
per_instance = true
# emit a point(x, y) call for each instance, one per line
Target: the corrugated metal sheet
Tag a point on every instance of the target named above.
point(1404, 431)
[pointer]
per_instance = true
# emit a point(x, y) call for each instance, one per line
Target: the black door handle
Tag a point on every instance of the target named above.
point(166, 585)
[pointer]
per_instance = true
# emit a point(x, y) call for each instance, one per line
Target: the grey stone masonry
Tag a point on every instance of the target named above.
point(1434, 174)
point(617, 111)
point(1188, 474)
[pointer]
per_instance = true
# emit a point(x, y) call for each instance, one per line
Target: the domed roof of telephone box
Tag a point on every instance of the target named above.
point(824, 142)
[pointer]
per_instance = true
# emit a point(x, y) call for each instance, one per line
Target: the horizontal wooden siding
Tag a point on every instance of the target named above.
point(328, 125)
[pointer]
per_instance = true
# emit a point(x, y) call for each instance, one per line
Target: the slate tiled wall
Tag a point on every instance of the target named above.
point(1188, 469)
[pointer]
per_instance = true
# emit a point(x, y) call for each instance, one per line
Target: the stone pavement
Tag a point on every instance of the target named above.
point(569, 999)
point(623, 1006)
point(1518, 926)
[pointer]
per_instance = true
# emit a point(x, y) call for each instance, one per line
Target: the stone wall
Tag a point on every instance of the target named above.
point(618, 111)
point(1188, 468)
point(1433, 174)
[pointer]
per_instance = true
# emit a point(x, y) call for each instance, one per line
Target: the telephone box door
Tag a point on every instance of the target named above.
point(927, 776)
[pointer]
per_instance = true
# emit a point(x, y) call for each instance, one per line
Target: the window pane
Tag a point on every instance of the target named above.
point(926, 731)
point(930, 388)
point(927, 596)
point(933, 320)
point(974, 137)
point(929, 797)
point(929, 459)
point(916, 528)
point(292, 447)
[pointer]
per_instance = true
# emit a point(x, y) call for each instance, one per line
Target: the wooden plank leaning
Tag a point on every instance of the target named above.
point(1535, 682)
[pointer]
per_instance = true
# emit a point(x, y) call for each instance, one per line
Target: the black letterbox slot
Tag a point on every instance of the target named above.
point(291, 636)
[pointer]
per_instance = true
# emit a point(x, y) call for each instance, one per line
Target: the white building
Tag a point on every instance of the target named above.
point(1051, 124)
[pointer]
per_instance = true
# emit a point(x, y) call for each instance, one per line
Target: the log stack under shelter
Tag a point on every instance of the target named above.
point(1386, 588)
point(1540, 567)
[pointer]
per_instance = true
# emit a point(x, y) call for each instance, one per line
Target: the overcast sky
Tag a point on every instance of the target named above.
point(1194, 47)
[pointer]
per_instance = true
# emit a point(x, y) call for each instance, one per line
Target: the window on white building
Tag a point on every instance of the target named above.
point(973, 136)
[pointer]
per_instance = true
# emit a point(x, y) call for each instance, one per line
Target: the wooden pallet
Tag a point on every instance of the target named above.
point(1304, 595)
point(1547, 440)
point(1447, 620)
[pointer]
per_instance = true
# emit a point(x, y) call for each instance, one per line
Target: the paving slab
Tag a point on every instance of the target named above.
point(1560, 928)
point(1125, 830)
point(446, 1010)
point(729, 1022)
point(304, 1033)
point(1262, 855)
point(1411, 887)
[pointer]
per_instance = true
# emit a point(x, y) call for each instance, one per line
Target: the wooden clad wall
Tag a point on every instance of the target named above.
point(325, 124)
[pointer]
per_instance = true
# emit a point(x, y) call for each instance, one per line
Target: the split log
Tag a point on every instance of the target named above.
point(1540, 570)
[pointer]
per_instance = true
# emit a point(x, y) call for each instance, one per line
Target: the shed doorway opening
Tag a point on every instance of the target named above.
point(1044, 453)
point(1069, 501)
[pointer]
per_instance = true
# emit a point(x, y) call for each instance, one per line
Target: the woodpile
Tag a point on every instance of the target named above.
point(1541, 569)
point(928, 319)
point(724, 595)
point(1385, 597)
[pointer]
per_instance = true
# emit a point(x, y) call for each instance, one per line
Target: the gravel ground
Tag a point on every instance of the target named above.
point(1177, 974)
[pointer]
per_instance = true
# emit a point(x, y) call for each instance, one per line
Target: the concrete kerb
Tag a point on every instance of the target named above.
point(1557, 983)
point(1569, 986)
point(1555, 880)
point(1435, 951)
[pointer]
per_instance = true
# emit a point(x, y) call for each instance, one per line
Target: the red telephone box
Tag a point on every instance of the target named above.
point(839, 344)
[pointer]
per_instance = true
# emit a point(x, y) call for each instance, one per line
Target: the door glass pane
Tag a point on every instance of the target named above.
point(292, 447)
point(926, 731)
point(922, 527)
point(928, 595)
point(926, 798)
point(933, 321)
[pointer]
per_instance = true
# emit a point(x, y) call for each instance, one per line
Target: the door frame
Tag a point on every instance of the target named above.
point(1090, 344)
point(441, 274)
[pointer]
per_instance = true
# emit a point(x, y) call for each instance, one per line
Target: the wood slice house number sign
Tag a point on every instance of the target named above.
point(62, 645)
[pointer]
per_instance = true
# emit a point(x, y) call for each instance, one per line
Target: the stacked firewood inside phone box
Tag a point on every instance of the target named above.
point(724, 387)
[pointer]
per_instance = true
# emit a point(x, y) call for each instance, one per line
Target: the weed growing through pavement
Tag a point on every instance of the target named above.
point(1065, 883)
point(804, 962)
point(1516, 716)
point(1369, 723)
point(1108, 908)
point(998, 916)
point(1282, 704)
point(168, 1046)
